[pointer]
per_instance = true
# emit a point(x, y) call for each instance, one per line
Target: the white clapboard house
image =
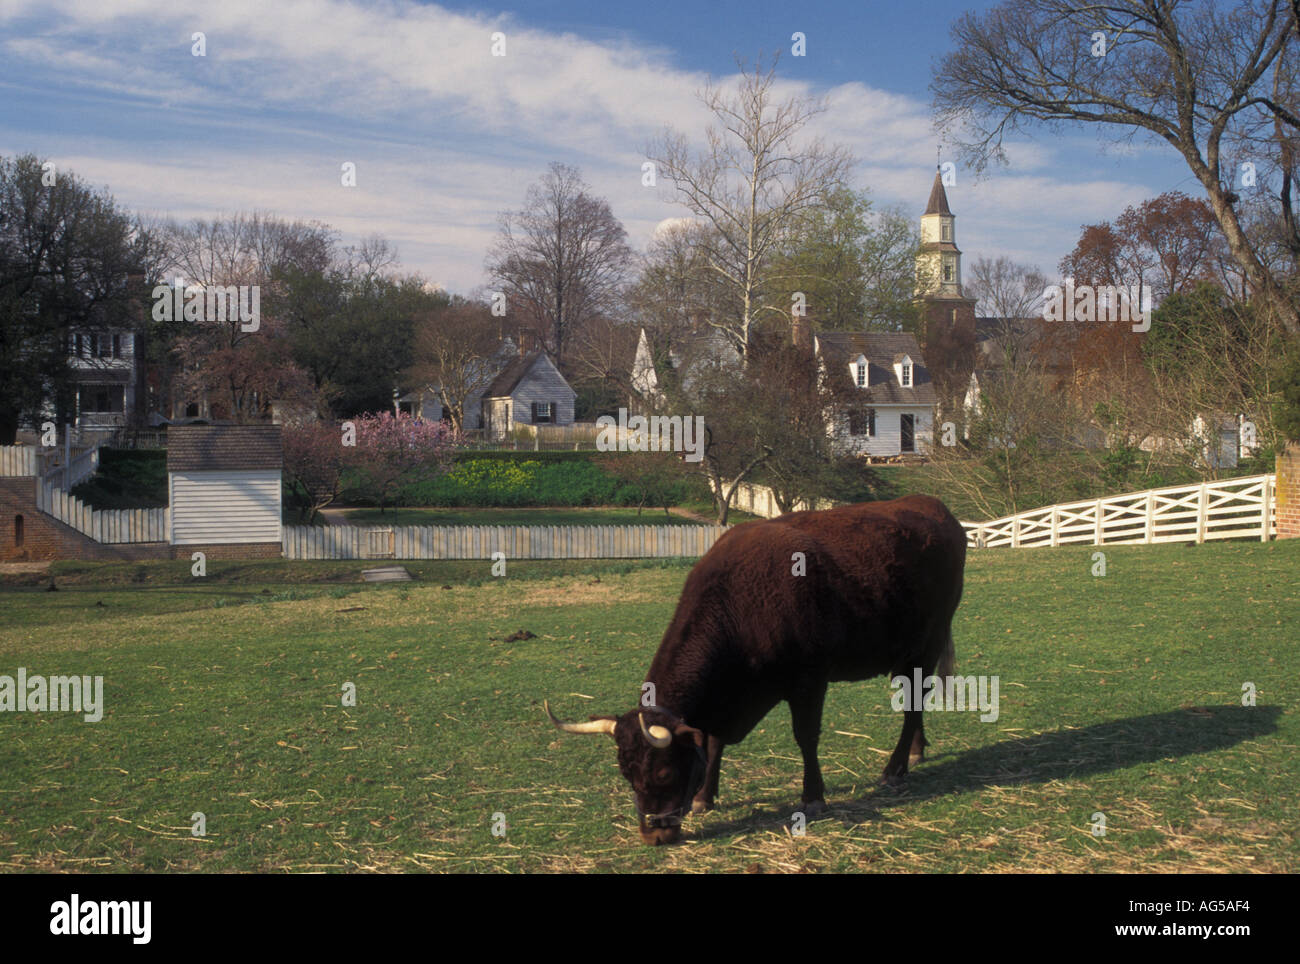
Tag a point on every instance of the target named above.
point(895, 412)
point(224, 484)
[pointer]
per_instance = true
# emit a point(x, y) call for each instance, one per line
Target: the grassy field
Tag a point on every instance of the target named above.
point(1120, 695)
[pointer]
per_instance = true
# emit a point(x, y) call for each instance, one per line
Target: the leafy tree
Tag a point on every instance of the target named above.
point(1168, 242)
point(855, 268)
point(67, 253)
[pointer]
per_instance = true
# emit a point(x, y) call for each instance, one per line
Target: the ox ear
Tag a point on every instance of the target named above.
point(683, 732)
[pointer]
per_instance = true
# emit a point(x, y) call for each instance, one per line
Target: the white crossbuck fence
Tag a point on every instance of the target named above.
point(102, 525)
point(1231, 509)
point(479, 542)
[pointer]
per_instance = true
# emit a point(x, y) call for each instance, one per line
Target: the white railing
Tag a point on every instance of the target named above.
point(102, 525)
point(29, 460)
point(84, 462)
point(1228, 509)
point(480, 542)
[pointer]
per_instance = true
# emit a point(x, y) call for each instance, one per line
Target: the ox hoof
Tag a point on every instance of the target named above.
point(915, 759)
point(894, 780)
point(812, 809)
point(701, 806)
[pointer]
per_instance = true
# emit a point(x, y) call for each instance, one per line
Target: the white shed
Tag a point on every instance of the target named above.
point(223, 483)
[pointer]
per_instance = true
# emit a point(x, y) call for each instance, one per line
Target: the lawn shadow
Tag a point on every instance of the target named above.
point(1065, 754)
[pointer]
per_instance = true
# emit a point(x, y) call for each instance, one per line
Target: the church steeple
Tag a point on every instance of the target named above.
point(938, 196)
point(947, 317)
point(938, 267)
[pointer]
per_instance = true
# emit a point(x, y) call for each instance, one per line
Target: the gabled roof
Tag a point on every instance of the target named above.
point(514, 373)
point(938, 197)
point(839, 349)
point(223, 448)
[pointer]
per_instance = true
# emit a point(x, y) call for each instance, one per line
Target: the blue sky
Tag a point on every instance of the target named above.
point(444, 136)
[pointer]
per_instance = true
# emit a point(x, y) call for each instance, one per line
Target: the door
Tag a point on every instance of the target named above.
point(906, 438)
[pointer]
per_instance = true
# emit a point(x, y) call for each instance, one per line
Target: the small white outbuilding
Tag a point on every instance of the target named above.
point(223, 483)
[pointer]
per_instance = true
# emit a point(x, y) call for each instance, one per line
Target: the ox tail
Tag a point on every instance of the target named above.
point(948, 659)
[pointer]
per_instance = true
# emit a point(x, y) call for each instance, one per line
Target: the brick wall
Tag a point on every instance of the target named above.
point(43, 538)
point(46, 539)
point(239, 550)
point(1288, 492)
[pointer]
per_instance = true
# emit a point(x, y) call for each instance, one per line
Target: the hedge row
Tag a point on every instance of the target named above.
point(528, 482)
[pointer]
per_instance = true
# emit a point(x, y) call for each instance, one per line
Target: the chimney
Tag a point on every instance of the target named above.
point(527, 341)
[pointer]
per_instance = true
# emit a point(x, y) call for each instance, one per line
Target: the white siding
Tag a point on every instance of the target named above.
point(225, 507)
point(888, 438)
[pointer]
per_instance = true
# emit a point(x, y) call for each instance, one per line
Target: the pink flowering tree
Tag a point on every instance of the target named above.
point(314, 461)
point(395, 451)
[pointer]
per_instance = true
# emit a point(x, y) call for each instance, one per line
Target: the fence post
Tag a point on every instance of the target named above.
point(1015, 532)
point(1056, 522)
point(1096, 530)
point(1151, 515)
point(1266, 507)
point(1202, 512)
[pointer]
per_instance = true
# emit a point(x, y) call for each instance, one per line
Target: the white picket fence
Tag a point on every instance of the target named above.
point(102, 525)
point(479, 542)
point(1230, 509)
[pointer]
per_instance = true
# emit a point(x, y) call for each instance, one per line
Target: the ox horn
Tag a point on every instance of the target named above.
point(595, 726)
point(657, 736)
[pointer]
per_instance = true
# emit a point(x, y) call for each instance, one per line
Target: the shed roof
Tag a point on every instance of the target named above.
point(217, 448)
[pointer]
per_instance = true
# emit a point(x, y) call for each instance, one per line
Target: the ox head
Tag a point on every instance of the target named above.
point(661, 756)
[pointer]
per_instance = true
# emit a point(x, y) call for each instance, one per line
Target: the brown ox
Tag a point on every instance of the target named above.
point(882, 582)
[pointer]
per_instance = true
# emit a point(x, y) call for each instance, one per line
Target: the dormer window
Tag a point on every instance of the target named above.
point(903, 370)
point(859, 371)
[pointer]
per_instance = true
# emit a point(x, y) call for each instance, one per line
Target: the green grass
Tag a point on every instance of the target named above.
point(1119, 695)
point(515, 517)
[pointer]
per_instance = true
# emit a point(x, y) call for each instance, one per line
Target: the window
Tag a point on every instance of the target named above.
point(947, 232)
point(907, 376)
point(192, 410)
point(863, 423)
point(947, 269)
point(862, 376)
point(102, 398)
point(19, 535)
point(543, 412)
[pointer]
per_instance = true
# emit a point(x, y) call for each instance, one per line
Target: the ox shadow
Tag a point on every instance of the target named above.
point(1065, 754)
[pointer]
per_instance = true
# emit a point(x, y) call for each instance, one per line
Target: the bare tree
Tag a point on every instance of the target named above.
point(561, 260)
point(247, 249)
point(1193, 75)
point(456, 353)
point(752, 184)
